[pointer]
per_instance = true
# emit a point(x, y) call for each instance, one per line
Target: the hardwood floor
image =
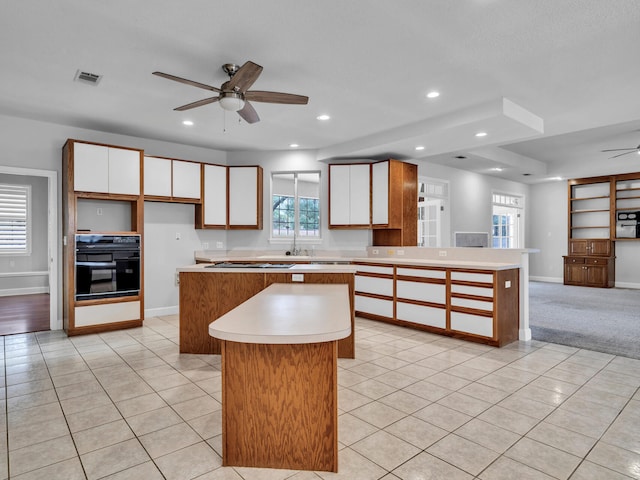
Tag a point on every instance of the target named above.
point(24, 313)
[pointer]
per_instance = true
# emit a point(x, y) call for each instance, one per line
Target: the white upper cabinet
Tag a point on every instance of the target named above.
point(245, 197)
point(102, 169)
point(380, 193)
point(186, 179)
point(165, 177)
point(349, 195)
point(157, 176)
point(215, 195)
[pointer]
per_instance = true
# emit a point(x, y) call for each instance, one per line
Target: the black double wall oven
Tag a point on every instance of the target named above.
point(107, 266)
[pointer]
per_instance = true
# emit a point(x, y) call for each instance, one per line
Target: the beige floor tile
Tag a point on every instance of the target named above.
point(532, 408)
point(463, 454)
point(373, 389)
point(102, 436)
point(616, 458)
point(190, 462)
point(499, 382)
point(591, 427)
point(141, 404)
point(600, 397)
point(124, 391)
point(507, 469)
point(85, 402)
point(416, 468)
point(24, 435)
point(549, 460)
point(555, 385)
point(466, 371)
point(30, 400)
point(464, 403)
point(351, 429)
point(181, 393)
point(34, 415)
point(488, 435)
point(591, 471)
point(70, 469)
point(562, 439)
point(168, 440)
point(508, 419)
point(542, 395)
point(427, 390)
point(349, 400)
point(113, 459)
point(208, 426)
point(378, 414)
point(484, 392)
point(443, 417)
point(417, 432)
point(93, 417)
point(369, 370)
point(351, 466)
point(448, 381)
point(41, 454)
point(143, 471)
point(396, 379)
point(154, 420)
point(385, 449)
point(404, 401)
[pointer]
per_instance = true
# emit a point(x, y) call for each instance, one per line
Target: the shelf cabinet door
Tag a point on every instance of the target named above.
point(596, 275)
point(245, 197)
point(90, 168)
point(339, 195)
point(157, 177)
point(380, 193)
point(599, 247)
point(215, 195)
point(186, 179)
point(124, 171)
point(349, 196)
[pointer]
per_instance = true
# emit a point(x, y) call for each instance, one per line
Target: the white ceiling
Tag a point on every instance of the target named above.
point(552, 82)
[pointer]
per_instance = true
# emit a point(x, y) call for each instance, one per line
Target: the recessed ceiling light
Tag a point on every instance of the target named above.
point(323, 117)
point(556, 178)
point(481, 134)
point(460, 157)
point(433, 94)
point(419, 147)
point(188, 123)
point(496, 169)
point(294, 145)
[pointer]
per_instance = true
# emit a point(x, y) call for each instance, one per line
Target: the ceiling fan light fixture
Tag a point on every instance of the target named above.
point(231, 101)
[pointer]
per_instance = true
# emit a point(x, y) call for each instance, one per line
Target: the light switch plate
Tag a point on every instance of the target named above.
point(297, 277)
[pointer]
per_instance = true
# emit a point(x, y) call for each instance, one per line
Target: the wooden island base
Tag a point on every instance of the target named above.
point(279, 405)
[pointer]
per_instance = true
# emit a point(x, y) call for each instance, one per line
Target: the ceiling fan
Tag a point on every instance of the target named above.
point(234, 94)
point(624, 150)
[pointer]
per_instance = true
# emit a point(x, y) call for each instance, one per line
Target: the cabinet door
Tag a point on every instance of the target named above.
point(339, 196)
point(186, 179)
point(596, 276)
point(215, 195)
point(574, 274)
point(380, 193)
point(124, 171)
point(244, 206)
point(578, 247)
point(359, 195)
point(157, 176)
point(599, 247)
point(90, 168)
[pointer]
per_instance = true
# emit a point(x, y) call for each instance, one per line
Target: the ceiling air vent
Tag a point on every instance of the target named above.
point(86, 77)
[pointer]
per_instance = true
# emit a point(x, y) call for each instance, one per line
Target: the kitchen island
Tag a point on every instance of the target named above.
point(279, 376)
point(208, 291)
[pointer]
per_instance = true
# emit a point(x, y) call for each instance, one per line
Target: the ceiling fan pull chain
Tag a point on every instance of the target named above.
point(224, 121)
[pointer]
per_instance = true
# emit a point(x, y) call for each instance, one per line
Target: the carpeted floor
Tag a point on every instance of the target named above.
point(601, 319)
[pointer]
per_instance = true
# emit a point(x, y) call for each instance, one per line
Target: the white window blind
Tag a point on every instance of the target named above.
point(14, 218)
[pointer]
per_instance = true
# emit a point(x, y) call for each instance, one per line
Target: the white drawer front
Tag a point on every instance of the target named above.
point(483, 292)
point(106, 313)
point(472, 277)
point(375, 306)
point(464, 322)
point(479, 305)
point(374, 269)
point(379, 286)
point(412, 272)
point(434, 317)
point(426, 292)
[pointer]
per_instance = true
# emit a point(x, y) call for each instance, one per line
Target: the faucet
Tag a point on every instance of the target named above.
point(294, 250)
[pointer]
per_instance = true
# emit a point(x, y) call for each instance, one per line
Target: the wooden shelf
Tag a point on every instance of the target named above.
point(591, 211)
point(591, 226)
point(589, 198)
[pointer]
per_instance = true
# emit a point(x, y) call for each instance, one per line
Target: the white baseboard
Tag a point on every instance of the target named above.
point(7, 292)
point(545, 279)
point(627, 285)
point(159, 312)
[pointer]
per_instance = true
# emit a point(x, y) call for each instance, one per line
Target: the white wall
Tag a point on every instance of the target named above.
point(282, 161)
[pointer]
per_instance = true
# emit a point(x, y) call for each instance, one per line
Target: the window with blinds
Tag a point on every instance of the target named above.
point(14, 219)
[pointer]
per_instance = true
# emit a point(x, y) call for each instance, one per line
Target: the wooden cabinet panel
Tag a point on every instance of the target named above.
point(186, 179)
point(245, 197)
point(215, 195)
point(90, 168)
point(589, 271)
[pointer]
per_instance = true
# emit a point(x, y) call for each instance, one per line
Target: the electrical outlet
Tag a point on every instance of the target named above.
point(178, 236)
point(205, 245)
point(375, 251)
point(297, 277)
point(177, 279)
point(400, 252)
point(99, 211)
point(442, 253)
point(219, 245)
point(507, 284)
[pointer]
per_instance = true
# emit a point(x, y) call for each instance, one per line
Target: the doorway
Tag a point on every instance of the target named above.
point(433, 214)
point(36, 300)
point(507, 221)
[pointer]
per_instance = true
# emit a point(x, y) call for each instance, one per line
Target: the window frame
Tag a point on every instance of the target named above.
point(300, 239)
point(26, 194)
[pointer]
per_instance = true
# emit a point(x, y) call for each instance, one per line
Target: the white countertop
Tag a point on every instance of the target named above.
point(423, 262)
point(296, 268)
point(286, 313)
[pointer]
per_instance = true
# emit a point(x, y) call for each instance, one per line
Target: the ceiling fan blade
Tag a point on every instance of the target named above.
point(625, 153)
point(199, 103)
point(246, 75)
point(188, 82)
point(248, 113)
point(276, 97)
